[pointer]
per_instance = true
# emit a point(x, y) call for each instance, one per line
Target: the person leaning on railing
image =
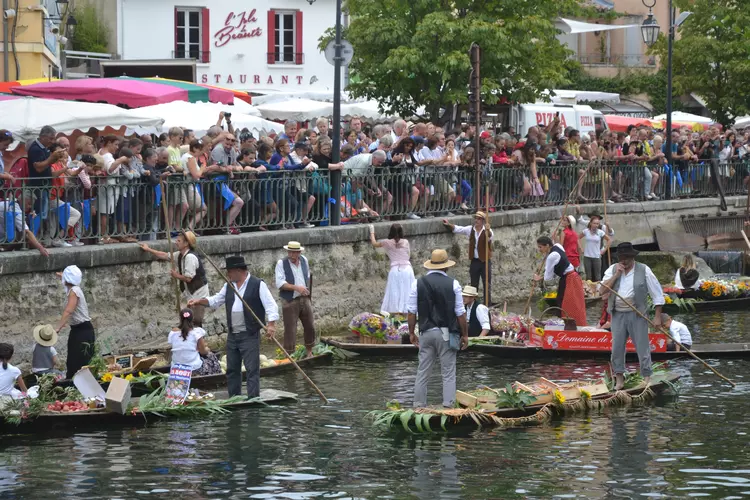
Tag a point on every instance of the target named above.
point(404, 182)
point(193, 174)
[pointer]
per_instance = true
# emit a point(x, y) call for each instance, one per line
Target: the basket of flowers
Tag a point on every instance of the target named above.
point(373, 329)
point(505, 324)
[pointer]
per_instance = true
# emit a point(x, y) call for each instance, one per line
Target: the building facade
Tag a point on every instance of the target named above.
point(33, 45)
point(253, 46)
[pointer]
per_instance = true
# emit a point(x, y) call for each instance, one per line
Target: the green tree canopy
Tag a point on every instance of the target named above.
point(91, 34)
point(712, 56)
point(415, 53)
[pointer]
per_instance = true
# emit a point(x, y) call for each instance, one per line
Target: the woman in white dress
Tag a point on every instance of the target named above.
point(189, 347)
point(10, 376)
point(401, 275)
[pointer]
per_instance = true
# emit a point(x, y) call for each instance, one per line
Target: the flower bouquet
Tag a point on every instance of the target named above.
point(373, 329)
point(721, 290)
point(505, 324)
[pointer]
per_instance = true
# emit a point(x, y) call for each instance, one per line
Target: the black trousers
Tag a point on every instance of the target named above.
point(476, 271)
point(80, 347)
point(243, 347)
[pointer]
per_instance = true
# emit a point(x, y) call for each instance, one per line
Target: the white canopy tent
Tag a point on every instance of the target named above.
point(563, 96)
point(26, 116)
point(742, 122)
point(312, 95)
point(680, 116)
point(573, 27)
point(200, 116)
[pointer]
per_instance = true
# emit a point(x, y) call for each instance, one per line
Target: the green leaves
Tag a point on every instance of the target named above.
point(512, 398)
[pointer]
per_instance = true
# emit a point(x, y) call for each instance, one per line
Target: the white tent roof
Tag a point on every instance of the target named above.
point(312, 95)
point(742, 122)
point(200, 116)
point(295, 109)
point(585, 95)
point(26, 116)
point(680, 116)
point(573, 27)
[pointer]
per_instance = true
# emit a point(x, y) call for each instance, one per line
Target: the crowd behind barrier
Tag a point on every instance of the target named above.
point(125, 209)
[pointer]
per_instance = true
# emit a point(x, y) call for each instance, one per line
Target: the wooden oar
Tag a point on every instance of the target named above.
point(606, 223)
point(169, 239)
point(487, 246)
point(744, 235)
point(262, 325)
point(665, 332)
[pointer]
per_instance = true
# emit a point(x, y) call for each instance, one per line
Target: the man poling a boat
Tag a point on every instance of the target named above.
point(243, 339)
point(436, 302)
point(190, 272)
point(480, 252)
point(633, 282)
point(570, 295)
point(477, 315)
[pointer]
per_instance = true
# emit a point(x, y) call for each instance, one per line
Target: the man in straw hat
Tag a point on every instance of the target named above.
point(436, 302)
point(632, 281)
point(243, 339)
point(44, 355)
point(190, 271)
point(477, 315)
point(293, 282)
point(480, 254)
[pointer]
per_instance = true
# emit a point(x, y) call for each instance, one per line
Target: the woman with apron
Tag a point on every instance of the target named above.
point(81, 339)
point(570, 297)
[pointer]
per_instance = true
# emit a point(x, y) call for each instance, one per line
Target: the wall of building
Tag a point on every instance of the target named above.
point(239, 63)
point(36, 46)
point(132, 301)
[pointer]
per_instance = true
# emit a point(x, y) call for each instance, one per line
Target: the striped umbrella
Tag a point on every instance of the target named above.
point(6, 86)
point(239, 94)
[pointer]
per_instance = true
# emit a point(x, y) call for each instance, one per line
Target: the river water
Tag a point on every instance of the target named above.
point(695, 444)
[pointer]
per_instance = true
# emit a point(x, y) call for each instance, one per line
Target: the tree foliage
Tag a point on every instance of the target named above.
point(712, 55)
point(415, 53)
point(91, 34)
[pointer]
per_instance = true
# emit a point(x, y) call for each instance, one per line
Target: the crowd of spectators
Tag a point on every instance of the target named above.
point(102, 189)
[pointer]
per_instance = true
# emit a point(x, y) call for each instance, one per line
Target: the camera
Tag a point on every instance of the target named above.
point(227, 115)
point(88, 159)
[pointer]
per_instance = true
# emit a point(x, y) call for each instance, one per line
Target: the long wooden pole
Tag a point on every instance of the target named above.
point(487, 246)
point(665, 332)
point(164, 205)
point(262, 325)
point(559, 223)
point(744, 235)
point(606, 223)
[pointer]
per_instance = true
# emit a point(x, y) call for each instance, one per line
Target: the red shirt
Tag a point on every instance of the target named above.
point(570, 244)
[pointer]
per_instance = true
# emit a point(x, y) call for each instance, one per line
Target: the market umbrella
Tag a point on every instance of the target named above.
point(200, 116)
point(25, 117)
point(6, 86)
point(195, 92)
point(295, 109)
point(681, 116)
point(6, 97)
point(239, 94)
point(621, 123)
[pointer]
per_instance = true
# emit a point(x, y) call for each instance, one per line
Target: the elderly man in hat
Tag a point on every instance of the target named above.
point(632, 281)
point(294, 283)
point(190, 272)
point(243, 339)
point(477, 315)
point(480, 253)
point(435, 301)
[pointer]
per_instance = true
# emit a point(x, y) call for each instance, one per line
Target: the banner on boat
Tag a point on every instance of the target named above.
point(178, 383)
point(596, 340)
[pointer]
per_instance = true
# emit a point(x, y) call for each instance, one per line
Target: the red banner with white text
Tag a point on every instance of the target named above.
point(597, 340)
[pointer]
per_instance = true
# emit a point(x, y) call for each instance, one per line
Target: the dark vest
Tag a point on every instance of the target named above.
point(436, 303)
point(252, 297)
point(199, 280)
point(482, 250)
point(288, 295)
point(563, 264)
point(475, 327)
point(640, 290)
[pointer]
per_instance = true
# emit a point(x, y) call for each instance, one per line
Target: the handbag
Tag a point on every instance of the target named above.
point(454, 341)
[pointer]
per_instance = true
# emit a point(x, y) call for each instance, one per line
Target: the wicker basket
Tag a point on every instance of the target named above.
point(570, 323)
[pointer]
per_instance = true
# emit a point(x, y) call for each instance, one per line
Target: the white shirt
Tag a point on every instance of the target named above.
point(8, 379)
point(466, 230)
point(626, 284)
point(458, 307)
point(185, 351)
point(593, 243)
point(269, 304)
point(680, 333)
point(482, 313)
point(299, 278)
point(678, 282)
point(553, 258)
point(359, 164)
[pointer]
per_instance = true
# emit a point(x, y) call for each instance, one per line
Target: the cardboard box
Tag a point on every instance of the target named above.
point(118, 395)
point(87, 385)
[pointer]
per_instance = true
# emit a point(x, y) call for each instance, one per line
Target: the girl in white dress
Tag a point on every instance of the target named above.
point(401, 275)
point(10, 375)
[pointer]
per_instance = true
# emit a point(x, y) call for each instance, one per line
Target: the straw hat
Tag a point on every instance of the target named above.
point(45, 335)
point(480, 215)
point(470, 291)
point(294, 246)
point(191, 239)
point(572, 221)
point(439, 260)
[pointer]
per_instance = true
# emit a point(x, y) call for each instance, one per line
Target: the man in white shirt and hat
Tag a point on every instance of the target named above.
point(477, 315)
point(480, 251)
point(293, 280)
point(435, 301)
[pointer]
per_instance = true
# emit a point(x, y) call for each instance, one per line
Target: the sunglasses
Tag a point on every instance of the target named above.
point(231, 140)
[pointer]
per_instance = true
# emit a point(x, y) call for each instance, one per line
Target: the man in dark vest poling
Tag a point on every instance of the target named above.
point(293, 282)
point(435, 301)
point(190, 272)
point(243, 337)
point(480, 251)
point(633, 281)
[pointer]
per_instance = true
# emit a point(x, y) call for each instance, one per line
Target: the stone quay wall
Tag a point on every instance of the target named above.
point(131, 298)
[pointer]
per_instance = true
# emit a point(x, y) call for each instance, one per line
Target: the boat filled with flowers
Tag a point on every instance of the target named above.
point(711, 295)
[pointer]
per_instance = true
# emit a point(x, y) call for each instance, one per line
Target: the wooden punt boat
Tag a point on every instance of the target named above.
point(86, 420)
point(352, 344)
point(711, 305)
point(705, 351)
point(484, 415)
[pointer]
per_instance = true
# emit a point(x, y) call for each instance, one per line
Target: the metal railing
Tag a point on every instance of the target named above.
point(135, 209)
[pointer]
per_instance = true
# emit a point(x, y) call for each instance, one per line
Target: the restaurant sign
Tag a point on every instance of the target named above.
point(596, 340)
point(245, 79)
point(236, 27)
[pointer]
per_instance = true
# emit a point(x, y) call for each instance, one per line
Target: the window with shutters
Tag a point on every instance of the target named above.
point(287, 37)
point(190, 33)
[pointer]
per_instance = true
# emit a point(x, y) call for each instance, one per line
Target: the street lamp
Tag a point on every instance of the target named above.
point(70, 26)
point(650, 29)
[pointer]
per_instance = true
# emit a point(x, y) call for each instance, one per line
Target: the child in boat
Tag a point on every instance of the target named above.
point(44, 355)
point(10, 375)
point(677, 330)
point(189, 347)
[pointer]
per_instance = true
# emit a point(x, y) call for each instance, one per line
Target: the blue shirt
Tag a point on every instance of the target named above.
point(38, 153)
